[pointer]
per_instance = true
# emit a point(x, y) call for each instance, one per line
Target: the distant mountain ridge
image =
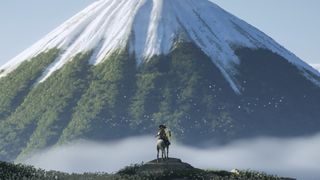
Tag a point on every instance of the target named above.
point(121, 68)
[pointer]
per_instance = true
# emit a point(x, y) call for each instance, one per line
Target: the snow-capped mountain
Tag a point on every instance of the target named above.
point(122, 67)
point(152, 27)
point(316, 66)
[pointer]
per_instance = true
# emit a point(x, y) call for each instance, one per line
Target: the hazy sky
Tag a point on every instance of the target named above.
point(293, 23)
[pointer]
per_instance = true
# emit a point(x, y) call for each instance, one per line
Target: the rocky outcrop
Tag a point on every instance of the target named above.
point(164, 165)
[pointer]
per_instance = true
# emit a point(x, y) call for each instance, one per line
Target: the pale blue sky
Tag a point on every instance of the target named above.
point(293, 23)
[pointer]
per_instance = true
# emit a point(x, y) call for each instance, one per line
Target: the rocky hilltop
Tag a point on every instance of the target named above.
point(175, 169)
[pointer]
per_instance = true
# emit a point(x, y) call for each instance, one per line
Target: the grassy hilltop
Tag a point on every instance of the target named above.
point(175, 169)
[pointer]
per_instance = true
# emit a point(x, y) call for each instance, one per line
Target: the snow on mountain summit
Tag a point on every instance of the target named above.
point(151, 27)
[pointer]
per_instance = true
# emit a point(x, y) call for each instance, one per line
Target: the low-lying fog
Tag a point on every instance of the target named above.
point(295, 157)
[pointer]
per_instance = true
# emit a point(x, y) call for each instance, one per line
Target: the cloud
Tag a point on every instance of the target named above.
point(295, 157)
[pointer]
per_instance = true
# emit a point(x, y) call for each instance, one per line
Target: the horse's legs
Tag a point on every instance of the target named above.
point(157, 154)
point(162, 153)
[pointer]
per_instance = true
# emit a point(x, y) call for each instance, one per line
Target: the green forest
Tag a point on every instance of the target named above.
point(118, 98)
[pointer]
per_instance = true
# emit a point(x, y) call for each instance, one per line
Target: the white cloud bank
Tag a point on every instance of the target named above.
point(295, 157)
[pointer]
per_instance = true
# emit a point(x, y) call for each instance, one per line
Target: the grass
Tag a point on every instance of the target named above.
point(9, 171)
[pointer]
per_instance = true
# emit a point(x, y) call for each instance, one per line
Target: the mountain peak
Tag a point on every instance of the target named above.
point(152, 27)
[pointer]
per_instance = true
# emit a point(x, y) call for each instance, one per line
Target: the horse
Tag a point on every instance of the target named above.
point(161, 145)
